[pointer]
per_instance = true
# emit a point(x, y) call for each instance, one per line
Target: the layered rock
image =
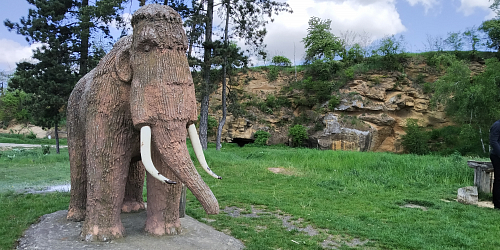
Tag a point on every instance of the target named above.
point(371, 115)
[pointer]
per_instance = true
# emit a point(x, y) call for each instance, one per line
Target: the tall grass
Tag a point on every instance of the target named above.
point(353, 193)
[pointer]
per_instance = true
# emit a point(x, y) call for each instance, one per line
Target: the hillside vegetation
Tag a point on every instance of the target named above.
point(432, 102)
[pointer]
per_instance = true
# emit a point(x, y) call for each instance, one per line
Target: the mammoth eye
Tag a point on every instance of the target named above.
point(146, 45)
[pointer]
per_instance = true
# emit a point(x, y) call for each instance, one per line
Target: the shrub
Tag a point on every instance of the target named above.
point(298, 133)
point(281, 61)
point(273, 73)
point(323, 70)
point(261, 137)
point(31, 135)
point(45, 149)
point(333, 103)
point(415, 140)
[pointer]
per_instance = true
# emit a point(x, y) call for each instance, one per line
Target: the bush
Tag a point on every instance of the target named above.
point(415, 140)
point(281, 61)
point(333, 103)
point(298, 133)
point(273, 73)
point(45, 149)
point(31, 135)
point(323, 70)
point(261, 137)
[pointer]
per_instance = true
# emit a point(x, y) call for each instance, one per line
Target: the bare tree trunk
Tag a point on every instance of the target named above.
point(84, 47)
point(142, 3)
point(206, 75)
point(482, 142)
point(224, 66)
point(57, 137)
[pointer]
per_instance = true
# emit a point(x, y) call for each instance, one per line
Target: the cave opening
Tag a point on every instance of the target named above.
point(242, 141)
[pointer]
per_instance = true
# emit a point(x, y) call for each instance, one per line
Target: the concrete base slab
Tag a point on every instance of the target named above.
point(56, 233)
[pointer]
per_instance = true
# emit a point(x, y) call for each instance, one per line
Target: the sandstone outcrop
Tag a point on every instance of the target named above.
point(371, 115)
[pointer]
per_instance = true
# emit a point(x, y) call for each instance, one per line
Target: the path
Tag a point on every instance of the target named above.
point(14, 145)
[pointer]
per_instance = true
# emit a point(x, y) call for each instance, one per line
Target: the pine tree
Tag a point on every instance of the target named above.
point(64, 28)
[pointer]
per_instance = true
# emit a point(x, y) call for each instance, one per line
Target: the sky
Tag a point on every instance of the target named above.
point(415, 20)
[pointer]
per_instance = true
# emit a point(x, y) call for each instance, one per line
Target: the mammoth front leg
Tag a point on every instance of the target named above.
point(163, 200)
point(108, 159)
point(169, 145)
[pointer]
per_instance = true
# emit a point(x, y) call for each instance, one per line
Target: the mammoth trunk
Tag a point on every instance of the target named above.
point(170, 141)
point(162, 88)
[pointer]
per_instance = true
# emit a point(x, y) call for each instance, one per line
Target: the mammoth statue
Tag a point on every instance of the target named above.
point(135, 109)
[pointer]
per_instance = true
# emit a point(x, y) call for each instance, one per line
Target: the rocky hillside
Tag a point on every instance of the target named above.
point(371, 115)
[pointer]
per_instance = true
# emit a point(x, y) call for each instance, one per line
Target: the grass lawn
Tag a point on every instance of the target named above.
point(347, 199)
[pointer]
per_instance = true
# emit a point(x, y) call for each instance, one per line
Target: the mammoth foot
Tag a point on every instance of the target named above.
point(132, 206)
point(76, 215)
point(102, 234)
point(159, 229)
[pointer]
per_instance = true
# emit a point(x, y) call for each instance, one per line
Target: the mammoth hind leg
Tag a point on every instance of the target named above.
point(78, 173)
point(133, 201)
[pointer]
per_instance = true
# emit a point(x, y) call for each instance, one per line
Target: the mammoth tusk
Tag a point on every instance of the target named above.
point(146, 156)
point(195, 141)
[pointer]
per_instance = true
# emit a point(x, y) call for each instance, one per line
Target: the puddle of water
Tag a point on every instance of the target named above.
point(56, 188)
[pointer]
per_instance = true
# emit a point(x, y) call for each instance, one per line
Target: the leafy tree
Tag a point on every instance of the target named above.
point(470, 100)
point(320, 43)
point(492, 29)
point(250, 18)
point(391, 49)
point(73, 22)
point(354, 55)
point(64, 27)
point(281, 61)
point(472, 37)
point(49, 83)
point(454, 41)
point(12, 106)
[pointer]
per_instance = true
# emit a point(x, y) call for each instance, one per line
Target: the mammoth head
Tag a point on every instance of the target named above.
point(162, 98)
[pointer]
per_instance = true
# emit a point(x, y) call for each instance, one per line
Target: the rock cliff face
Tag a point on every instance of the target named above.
point(371, 115)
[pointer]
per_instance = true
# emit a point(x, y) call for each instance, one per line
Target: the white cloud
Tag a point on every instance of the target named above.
point(428, 4)
point(468, 7)
point(12, 52)
point(375, 17)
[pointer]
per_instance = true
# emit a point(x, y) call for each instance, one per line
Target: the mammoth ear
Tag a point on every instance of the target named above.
point(122, 65)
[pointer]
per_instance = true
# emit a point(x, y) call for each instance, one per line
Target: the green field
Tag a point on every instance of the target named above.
point(344, 197)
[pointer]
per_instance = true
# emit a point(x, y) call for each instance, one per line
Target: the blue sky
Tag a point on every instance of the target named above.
point(370, 19)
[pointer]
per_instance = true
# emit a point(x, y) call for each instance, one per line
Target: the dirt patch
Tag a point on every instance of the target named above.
point(409, 205)
point(487, 204)
point(282, 170)
point(332, 241)
point(26, 129)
